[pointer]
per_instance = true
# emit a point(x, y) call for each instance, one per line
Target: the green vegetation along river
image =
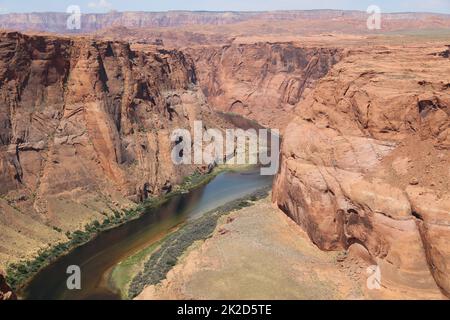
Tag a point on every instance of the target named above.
point(98, 257)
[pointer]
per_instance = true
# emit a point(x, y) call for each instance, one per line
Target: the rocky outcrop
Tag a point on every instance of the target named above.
point(5, 291)
point(262, 81)
point(366, 163)
point(84, 129)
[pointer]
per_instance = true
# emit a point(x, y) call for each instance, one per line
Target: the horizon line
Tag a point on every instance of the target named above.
point(226, 11)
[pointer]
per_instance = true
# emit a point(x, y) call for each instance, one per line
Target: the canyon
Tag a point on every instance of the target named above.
point(366, 149)
point(85, 130)
point(261, 81)
point(85, 123)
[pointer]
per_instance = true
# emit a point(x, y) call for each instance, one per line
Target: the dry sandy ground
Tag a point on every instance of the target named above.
point(257, 253)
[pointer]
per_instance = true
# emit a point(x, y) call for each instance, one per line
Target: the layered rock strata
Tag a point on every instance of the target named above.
point(366, 163)
point(85, 129)
point(261, 81)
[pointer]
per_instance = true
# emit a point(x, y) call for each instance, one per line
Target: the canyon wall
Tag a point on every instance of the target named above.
point(85, 129)
point(261, 81)
point(366, 165)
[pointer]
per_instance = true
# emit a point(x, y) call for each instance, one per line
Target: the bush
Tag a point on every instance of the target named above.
point(96, 224)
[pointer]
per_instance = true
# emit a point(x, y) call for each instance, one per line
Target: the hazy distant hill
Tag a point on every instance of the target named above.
point(56, 22)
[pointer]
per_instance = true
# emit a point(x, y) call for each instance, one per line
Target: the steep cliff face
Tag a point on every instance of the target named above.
point(85, 128)
point(262, 81)
point(366, 165)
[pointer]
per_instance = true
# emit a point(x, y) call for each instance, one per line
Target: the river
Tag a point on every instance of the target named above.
point(97, 257)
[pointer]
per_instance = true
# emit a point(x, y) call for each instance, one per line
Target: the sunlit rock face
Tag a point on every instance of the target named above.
point(262, 81)
point(366, 162)
point(84, 129)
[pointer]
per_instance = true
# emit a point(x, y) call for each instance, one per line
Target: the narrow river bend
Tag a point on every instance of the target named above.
point(97, 257)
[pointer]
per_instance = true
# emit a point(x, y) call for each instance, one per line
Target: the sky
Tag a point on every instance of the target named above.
point(6, 6)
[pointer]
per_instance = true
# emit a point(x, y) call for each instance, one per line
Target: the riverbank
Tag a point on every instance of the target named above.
point(20, 274)
point(254, 252)
point(151, 265)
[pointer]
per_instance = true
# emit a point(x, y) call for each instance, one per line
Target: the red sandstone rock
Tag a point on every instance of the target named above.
point(367, 130)
point(85, 127)
point(262, 81)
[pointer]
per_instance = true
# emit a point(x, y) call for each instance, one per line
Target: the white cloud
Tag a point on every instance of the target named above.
point(101, 4)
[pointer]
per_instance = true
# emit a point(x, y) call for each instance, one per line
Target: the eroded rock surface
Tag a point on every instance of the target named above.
point(366, 162)
point(85, 128)
point(262, 81)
